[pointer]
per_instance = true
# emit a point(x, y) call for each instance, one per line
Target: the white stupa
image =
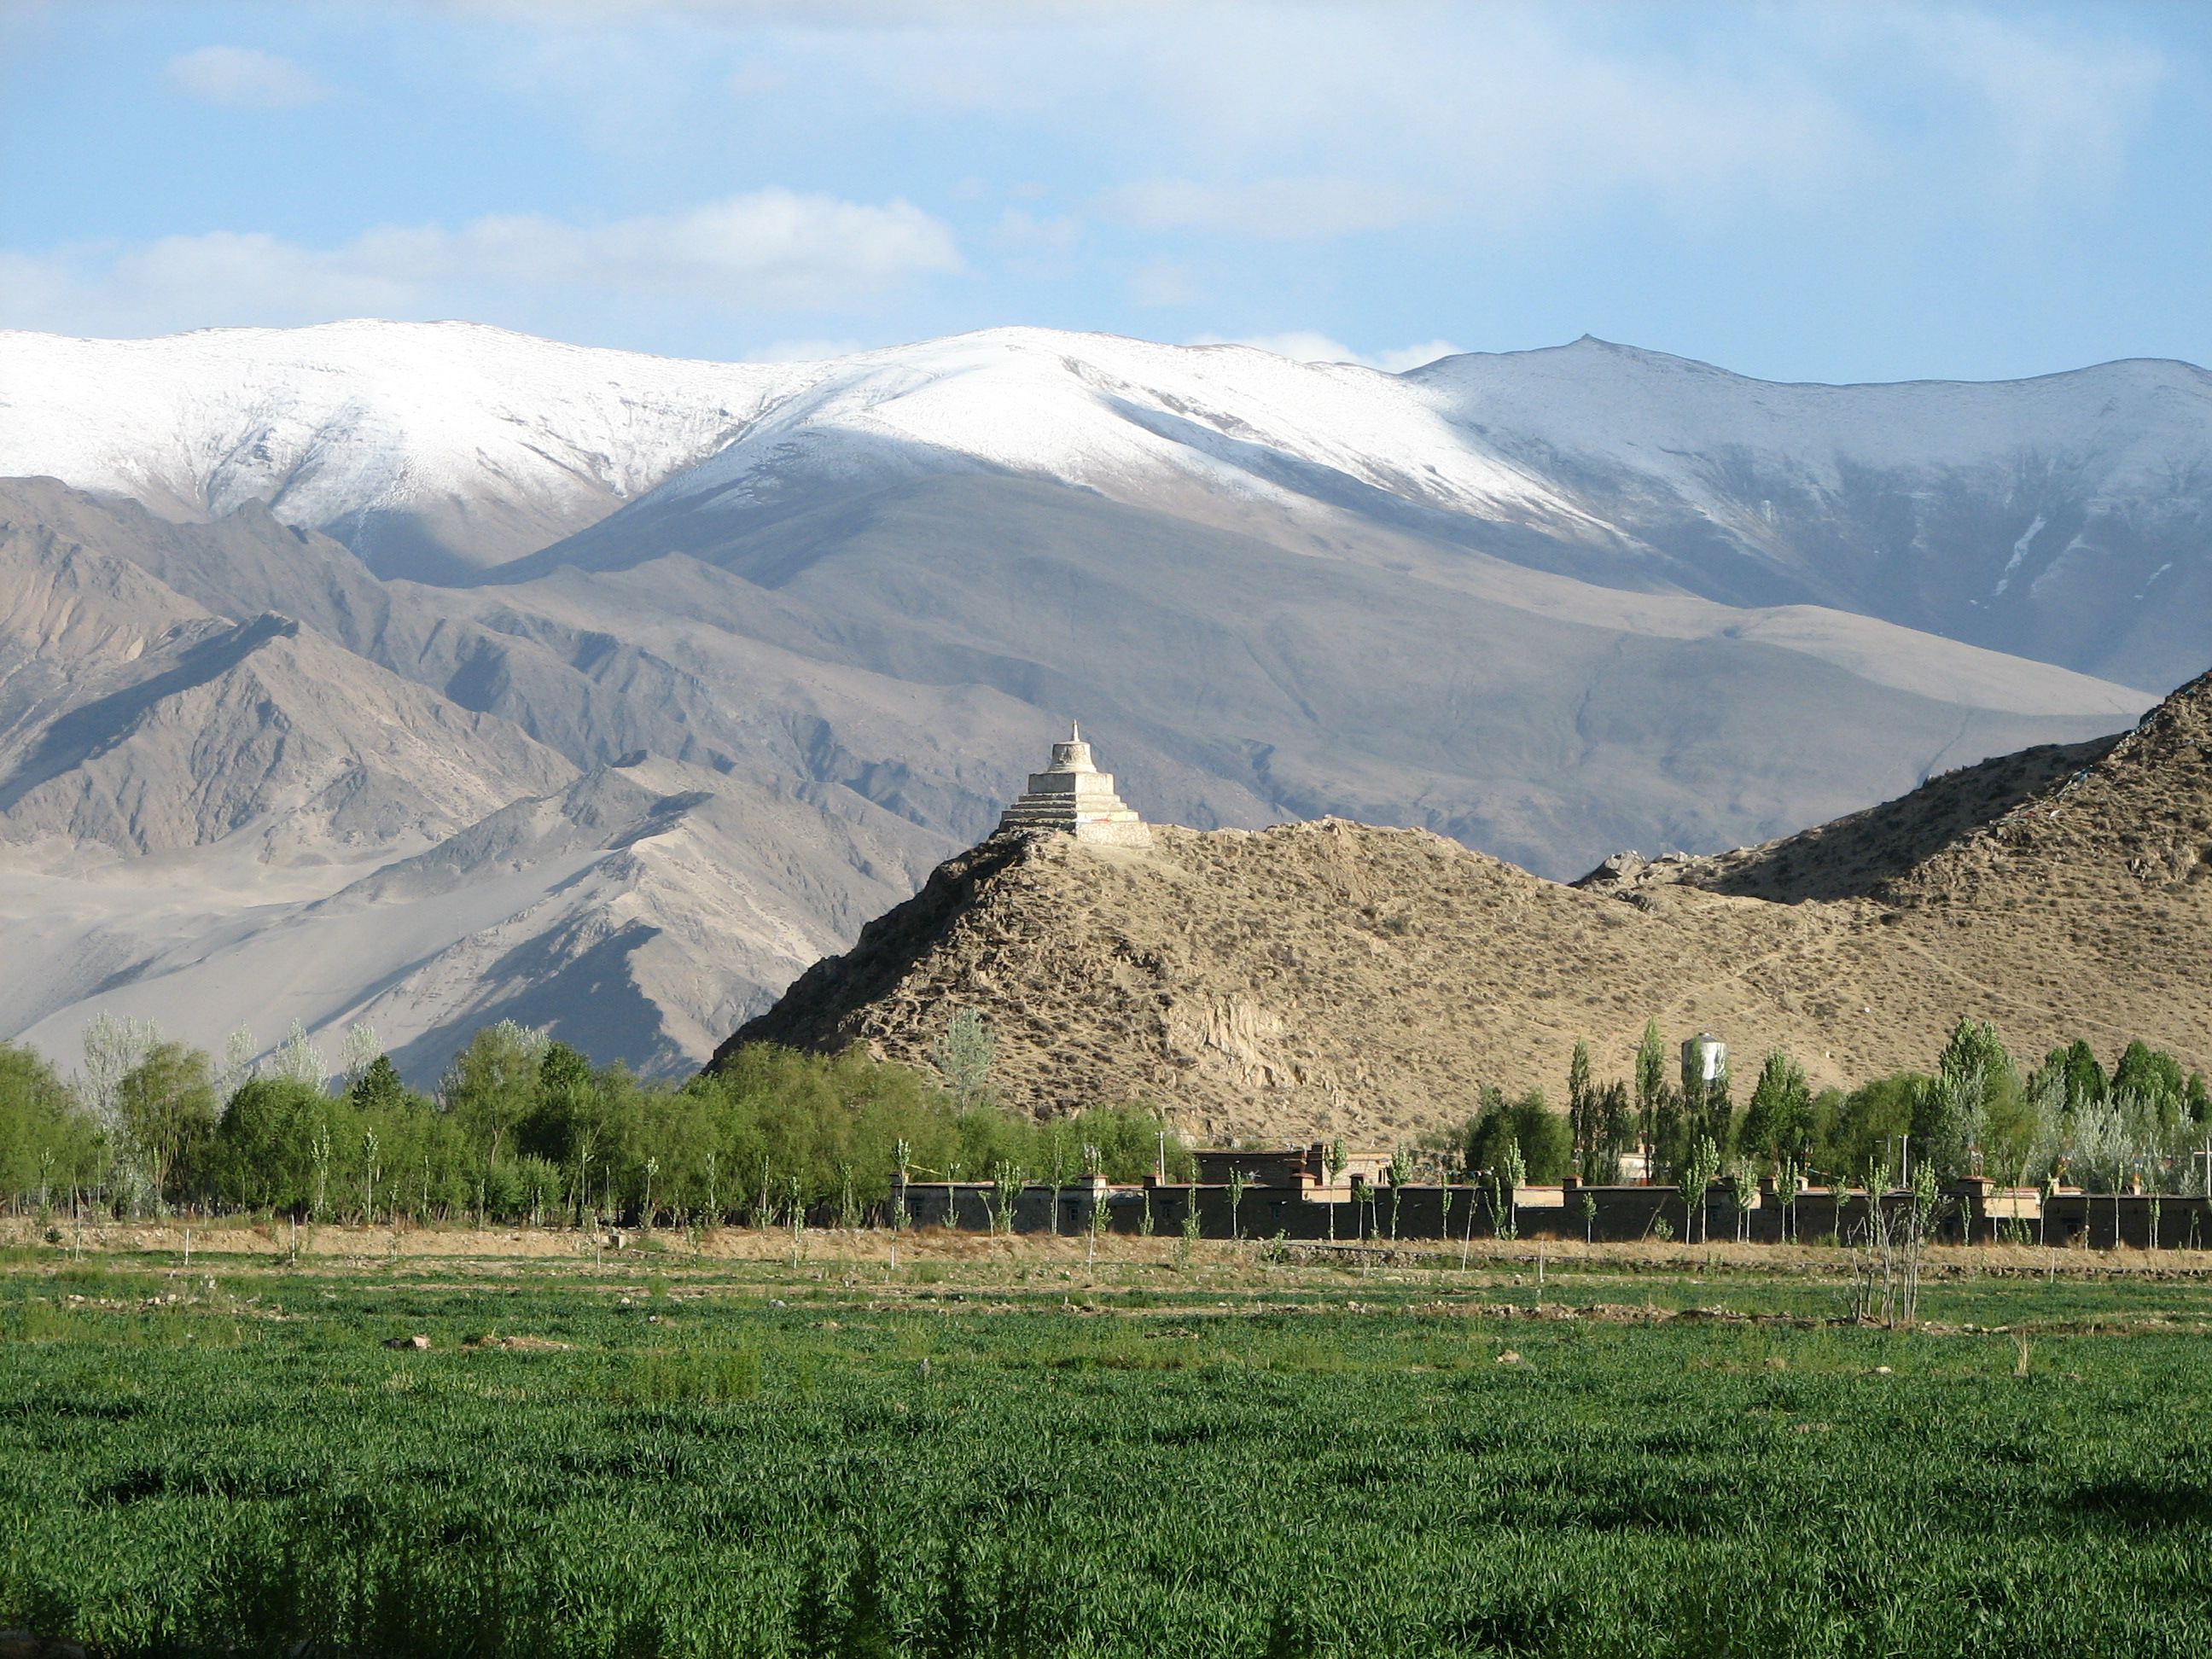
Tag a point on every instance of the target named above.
point(1073, 796)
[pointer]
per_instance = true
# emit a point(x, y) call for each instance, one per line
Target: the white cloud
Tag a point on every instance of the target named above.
point(2043, 110)
point(242, 76)
point(1309, 346)
point(1025, 232)
point(1399, 359)
point(1273, 121)
point(772, 249)
point(1165, 283)
point(1275, 210)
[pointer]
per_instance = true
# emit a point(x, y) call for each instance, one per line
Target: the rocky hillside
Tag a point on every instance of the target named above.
point(1332, 977)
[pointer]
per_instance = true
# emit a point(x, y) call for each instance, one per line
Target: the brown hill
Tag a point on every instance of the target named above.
point(1333, 977)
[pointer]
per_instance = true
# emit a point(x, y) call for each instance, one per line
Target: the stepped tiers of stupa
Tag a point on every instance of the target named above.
point(1073, 796)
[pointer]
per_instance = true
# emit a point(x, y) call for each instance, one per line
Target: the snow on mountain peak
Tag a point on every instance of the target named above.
point(343, 421)
point(436, 450)
point(1123, 416)
point(1652, 412)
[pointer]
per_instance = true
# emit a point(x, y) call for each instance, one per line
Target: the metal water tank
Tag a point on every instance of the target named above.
point(1705, 1057)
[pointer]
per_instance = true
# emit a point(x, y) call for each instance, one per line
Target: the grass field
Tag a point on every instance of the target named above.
point(1012, 1453)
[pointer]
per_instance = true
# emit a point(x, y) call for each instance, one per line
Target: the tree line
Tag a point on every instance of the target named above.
point(524, 1129)
point(1978, 1111)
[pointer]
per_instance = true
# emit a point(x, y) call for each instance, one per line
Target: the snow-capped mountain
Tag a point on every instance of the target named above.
point(2066, 517)
point(706, 662)
point(429, 448)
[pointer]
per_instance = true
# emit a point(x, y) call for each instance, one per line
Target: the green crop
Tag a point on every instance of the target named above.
point(1023, 1465)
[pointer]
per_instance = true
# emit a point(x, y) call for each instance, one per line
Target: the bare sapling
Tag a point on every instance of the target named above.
point(1095, 1223)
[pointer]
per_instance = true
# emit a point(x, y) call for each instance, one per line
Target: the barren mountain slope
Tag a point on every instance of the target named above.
point(1299, 980)
point(215, 817)
point(2066, 888)
point(1330, 977)
point(1858, 856)
point(1236, 681)
point(132, 718)
point(854, 597)
point(639, 913)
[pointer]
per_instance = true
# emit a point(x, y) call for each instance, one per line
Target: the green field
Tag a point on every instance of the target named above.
point(1027, 1457)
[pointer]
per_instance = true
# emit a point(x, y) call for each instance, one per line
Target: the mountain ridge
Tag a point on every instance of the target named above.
point(850, 600)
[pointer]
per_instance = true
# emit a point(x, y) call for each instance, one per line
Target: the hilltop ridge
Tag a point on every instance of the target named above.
point(1340, 978)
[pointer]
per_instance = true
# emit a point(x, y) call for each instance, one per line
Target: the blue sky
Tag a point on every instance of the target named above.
point(1854, 191)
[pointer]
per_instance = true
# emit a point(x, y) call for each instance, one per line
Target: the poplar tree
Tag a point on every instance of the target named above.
point(1700, 1170)
point(1615, 1132)
point(1579, 1103)
point(1650, 1083)
point(1778, 1125)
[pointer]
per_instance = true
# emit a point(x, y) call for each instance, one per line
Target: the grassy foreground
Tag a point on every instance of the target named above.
point(1006, 1451)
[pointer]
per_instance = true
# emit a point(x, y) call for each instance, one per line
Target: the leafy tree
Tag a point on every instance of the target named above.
point(298, 1058)
point(113, 1045)
point(263, 1151)
point(1598, 1121)
point(1699, 1172)
point(1670, 1138)
point(2154, 1074)
point(491, 1087)
point(1827, 1111)
point(1581, 1098)
point(1650, 1080)
point(2076, 1063)
point(1538, 1136)
point(965, 1056)
point(1866, 1122)
point(1947, 1114)
point(425, 1159)
point(1778, 1125)
point(1693, 1096)
point(1974, 1050)
point(1743, 1194)
point(1613, 1132)
point(166, 1109)
point(48, 1142)
point(1505, 1184)
point(1716, 1116)
point(377, 1087)
point(1974, 1100)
